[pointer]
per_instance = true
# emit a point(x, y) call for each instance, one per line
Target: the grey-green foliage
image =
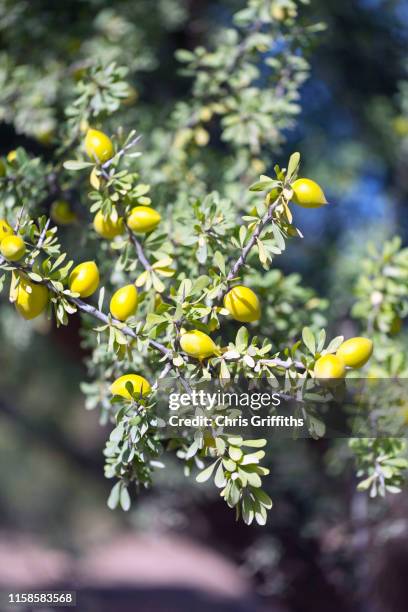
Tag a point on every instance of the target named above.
point(245, 89)
point(381, 305)
point(251, 77)
point(382, 288)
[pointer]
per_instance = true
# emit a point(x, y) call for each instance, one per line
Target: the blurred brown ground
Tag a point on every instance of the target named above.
point(131, 572)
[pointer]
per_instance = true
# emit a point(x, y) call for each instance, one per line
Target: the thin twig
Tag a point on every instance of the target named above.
point(139, 250)
point(43, 234)
point(281, 363)
point(101, 316)
point(120, 153)
point(162, 374)
point(41, 239)
point(266, 219)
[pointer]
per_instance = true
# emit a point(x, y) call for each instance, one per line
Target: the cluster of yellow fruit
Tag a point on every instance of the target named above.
point(12, 245)
point(29, 298)
point(353, 353)
point(141, 219)
point(243, 305)
point(84, 280)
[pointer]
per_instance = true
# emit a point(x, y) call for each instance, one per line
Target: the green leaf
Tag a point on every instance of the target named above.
point(184, 56)
point(235, 440)
point(125, 499)
point(224, 371)
point(263, 185)
point(365, 484)
point(229, 465)
point(235, 453)
point(253, 479)
point(73, 164)
point(220, 444)
point(280, 241)
point(263, 498)
point(114, 496)
point(263, 256)
point(293, 165)
point(242, 339)
point(398, 462)
point(260, 516)
point(35, 277)
point(317, 428)
point(206, 474)
point(117, 433)
point(219, 261)
point(247, 510)
point(242, 235)
point(200, 284)
point(255, 443)
point(334, 344)
point(309, 340)
point(321, 339)
point(219, 479)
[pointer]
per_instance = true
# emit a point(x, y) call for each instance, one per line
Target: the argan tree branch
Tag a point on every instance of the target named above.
point(266, 219)
point(139, 250)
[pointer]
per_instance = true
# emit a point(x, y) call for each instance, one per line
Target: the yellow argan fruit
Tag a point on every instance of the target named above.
point(84, 279)
point(143, 219)
point(278, 12)
point(140, 386)
point(329, 366)
point(355, 352)
point(98, 146)
point(11, 156)
point(198, 344)
point(258, 166)
point(206, 114)
point(201, 136)
point(30, 298)
point(400, 125)
point(108, 227)
point(308, 194)
point(45, 136)
point(124, 302)
point(243, 304)
point(62, 213)
point(5, 229)
point(13, 248)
